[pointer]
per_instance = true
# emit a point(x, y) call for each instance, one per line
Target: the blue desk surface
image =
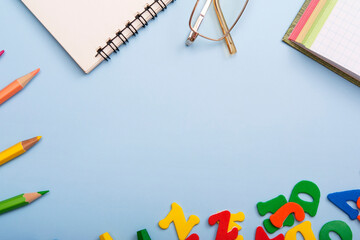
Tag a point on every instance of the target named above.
point(154, 126)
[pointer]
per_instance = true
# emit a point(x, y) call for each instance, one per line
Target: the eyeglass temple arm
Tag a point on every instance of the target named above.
point(193, 35)
point(227, 33)
point(228, 39)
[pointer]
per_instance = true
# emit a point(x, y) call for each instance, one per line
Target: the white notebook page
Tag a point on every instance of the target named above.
point(82, 26)
point(339, 39)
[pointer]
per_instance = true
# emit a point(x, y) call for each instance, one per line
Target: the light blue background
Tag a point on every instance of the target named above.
point(162, 123)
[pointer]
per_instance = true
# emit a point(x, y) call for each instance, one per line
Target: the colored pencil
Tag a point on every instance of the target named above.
point(16, 86)
point(17, 150)
point(2, 52)
point(106, 236)
point(19, 201)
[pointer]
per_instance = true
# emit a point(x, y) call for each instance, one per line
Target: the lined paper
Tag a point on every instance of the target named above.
point(339, 38)
point(319, 23)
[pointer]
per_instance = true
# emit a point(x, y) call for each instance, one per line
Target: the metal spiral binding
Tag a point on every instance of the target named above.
point(139, 17)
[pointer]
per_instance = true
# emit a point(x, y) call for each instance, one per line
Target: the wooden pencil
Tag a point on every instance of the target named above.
point(16, 86)
point(106, 236)
point(17, 149)
point(19, 201)
point(2, 52)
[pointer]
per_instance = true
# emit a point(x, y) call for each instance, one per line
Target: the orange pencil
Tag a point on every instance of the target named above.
point(16, 86)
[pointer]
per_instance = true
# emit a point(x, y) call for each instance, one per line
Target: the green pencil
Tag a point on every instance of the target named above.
point(19, 201)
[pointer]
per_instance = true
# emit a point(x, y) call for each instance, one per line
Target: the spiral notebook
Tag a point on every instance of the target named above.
point(91, 30)
point(329, 32)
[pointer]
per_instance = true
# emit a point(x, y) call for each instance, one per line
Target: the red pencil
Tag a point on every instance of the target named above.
point(2, 52)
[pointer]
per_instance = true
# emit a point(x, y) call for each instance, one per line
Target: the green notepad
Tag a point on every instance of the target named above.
point(336, 51)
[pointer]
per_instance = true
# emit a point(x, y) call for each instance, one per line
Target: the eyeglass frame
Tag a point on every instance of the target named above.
point(194, 33)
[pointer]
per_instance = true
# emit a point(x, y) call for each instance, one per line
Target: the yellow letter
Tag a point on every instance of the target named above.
point(106, 236)
point(182, 227)
point(236, 217)
point(303, 228)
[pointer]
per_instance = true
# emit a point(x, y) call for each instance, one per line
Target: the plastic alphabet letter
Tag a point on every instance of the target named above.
point(223, 219)
point(105, 236)
point(303, 228)
point(193, 237)
point(236, 217)
point(261, 235)
point(340, 200)
point(143, 235)
point(339, 227)
point(182, 227)
point(310, 189)
point(358, 205)
point(279, 217)
point(272, 206)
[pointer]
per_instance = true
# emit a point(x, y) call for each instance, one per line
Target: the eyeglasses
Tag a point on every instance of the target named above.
point(224, 27)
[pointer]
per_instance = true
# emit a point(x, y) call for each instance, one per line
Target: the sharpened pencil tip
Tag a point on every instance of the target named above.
point(38, 137)
point(35, 72)
point(43, 192)
point(2, 52)
point(24, 80)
